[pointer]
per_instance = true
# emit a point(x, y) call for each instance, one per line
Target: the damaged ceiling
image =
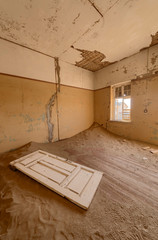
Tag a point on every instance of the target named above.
point(101, 32)
point(92, 60)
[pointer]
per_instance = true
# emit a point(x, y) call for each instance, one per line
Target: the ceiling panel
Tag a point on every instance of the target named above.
point(50, 26)
point(124, 30)
point(54, 26)
point(104, 5)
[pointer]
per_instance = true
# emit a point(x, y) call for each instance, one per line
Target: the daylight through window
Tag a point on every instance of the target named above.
point(121, 102)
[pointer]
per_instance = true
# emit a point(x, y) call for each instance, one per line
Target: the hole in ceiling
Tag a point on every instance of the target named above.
point(92, 60)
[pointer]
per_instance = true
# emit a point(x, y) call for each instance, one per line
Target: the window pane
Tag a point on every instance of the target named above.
point(118, 92)
point(121, 102)
point(127, 90)
point(126, 109)
point(118, 109)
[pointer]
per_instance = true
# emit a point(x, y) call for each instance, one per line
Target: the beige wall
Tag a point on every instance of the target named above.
point(140, 65)
point(23, 101)
point(19, 61)
point(23, 111)
point(144, 126)
point(102, 106)
point(76, 110)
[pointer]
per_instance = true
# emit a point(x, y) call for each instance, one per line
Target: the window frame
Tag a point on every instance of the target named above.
point(112, 101)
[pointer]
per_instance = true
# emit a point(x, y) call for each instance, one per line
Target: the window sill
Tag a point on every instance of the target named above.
point(119, 121)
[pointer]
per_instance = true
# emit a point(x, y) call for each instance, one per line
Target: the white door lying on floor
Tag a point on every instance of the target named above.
point(69, 179)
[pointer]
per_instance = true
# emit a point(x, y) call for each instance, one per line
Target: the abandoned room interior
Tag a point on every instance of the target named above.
point(79, 120)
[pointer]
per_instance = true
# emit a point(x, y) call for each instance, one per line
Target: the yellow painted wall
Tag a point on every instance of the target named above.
point(23, 111)
point(76, 110)
point(143, 126)
point(102, 106)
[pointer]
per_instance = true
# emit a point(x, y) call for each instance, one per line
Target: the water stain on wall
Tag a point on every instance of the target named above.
point(154, 59)
point(51, 23)
point(8, 26)
point(124, 69)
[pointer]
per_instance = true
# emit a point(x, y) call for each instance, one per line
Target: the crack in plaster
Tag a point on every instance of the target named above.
point(112, 6)
point(92, 3)
point(57, 73)
point(97, 21)
point(51, 103)
point(49, 114)
point(74, 21)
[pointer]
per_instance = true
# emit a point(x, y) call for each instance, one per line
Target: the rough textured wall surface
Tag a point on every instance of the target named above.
point(143, 126)
point(23, 111)
point(140, 65)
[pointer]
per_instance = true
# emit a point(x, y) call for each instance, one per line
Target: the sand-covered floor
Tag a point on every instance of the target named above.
point(125, 206)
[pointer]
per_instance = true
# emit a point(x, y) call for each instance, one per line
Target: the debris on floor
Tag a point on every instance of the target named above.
point(146, 148)
point(124, 207)
point(154, 151)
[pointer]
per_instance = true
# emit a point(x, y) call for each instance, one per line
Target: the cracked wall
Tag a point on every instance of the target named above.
point(25, 74)
point(52, 102)
point(23, 111)
point(103, 26)
point(49, 107)
point(19, 61)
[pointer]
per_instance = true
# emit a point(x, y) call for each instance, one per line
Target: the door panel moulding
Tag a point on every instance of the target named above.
point(69, 179)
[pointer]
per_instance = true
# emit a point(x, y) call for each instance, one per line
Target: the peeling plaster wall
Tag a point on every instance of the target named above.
point(143, 126)
point(23, 101)
point(139, 65)
point(23, 111)
point(114, 28)
point(125, 28)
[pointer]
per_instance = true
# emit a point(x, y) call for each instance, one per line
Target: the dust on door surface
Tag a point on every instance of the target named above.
point(69, 179)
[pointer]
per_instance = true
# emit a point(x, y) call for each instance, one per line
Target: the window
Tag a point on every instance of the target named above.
point(121, 102)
